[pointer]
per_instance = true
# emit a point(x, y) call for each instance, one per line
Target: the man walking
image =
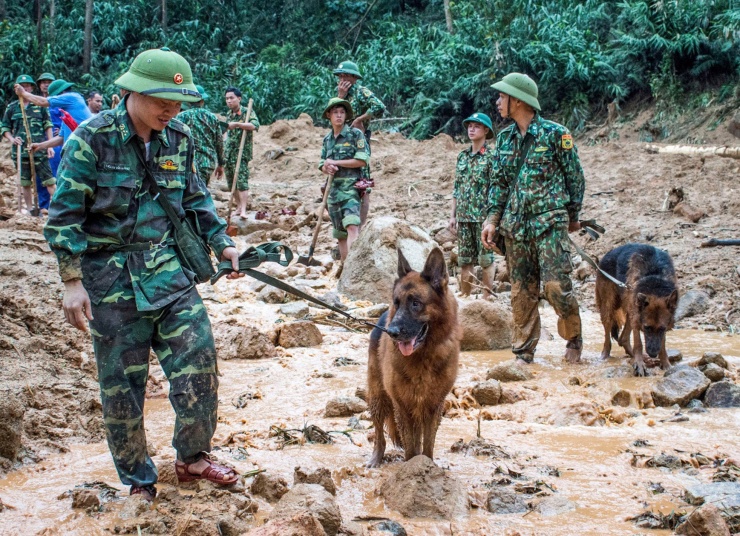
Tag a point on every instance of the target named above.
point(534, 202)
point(237, 118)
point(208, 137)
point(122, 274)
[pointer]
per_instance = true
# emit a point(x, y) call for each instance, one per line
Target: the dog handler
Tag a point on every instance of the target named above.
point(121, 272)
point(534, 210)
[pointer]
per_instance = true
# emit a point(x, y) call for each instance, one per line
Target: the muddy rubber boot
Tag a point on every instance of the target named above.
point(573, 350)
point(526, 357)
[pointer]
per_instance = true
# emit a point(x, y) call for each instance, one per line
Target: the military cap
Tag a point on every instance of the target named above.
point(484, 120)
point(348, 67)
point(203, 94)
point(46, 76)
point(519, 86)
point(57, 87)
point(160, 73)
point(25, 79)
point(336, 101)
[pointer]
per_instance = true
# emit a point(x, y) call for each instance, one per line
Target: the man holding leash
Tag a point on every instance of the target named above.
point(122, 274)
point(534, 202)
point(469, 200)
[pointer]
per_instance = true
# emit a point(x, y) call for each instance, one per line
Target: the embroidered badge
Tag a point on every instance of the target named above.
point(178, 79)
point(168, 165)
point(566, 142)
point(361, 143)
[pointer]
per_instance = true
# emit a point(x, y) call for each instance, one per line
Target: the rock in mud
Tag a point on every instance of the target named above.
point(302, 524)
point(344, 406)
point(320, 476)
point(272, 295)
point(509, 371)
point(674, 356)
point(504, 500)
point(722, 395)
point(487, 393)
point(723, 495)
point(270, 487)
point(580, 413)
point(387, 527)
point(555, 505)
point(486, 326)
point(85, 498)
point(704, 521)
point(251, 343)
point(11, 426)
point(313, 499)
point(714, 372)
point(713, 358)
point(622, 398)
point(133, 507)
point(692, 303)
point(372, 264)
point(678, 386)
point(421, 489)
point(301, 334)
point(297, 309)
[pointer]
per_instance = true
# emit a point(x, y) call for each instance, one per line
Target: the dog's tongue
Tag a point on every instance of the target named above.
point(407, 347)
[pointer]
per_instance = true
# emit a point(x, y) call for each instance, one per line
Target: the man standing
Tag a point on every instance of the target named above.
point(122, 274)
point(40, 127)
point(238, 121)
point(94, 102)
point(469, 201)
point(343, 156)
point(43, 81)
point(367, 106)
point(208, 137)
point(534, 202)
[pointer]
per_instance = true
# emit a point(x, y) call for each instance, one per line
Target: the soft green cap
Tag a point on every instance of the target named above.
point(160, 73)
point(25, 79)
point(519, 86)
point(46, 76)
point(348, 67)
point(336, 101)
point(484, 120)
point(59, 86)
point(203, 94)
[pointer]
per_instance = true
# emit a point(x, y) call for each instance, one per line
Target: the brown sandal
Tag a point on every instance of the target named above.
point(148, 492)
point(218, 474)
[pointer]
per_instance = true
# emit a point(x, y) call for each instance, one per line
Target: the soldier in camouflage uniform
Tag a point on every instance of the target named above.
point(114, 244)
point(13, 130)
point(535, 211)
point(237, 118)
point(207, 131)
point(366, 107)
point(343, 156)
point(469, 201)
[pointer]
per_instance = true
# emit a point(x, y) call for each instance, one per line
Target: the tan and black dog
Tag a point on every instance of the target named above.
point(413, 366)
point(647, 305)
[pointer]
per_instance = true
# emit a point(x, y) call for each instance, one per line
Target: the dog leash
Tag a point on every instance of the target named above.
point(593, 229)
point(276, 252)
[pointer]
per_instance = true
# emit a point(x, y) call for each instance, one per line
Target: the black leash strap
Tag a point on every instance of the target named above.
point(272, 252)
point(592, 262)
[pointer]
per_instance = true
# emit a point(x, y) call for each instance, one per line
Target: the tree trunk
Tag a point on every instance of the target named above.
point(39, 26)
point(87, 45)
point(164, 15)
point(52, 14)
point(448, 16)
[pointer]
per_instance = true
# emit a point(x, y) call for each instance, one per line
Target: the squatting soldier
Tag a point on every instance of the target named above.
point(343, 155)
point(207, 134)
point(237, 118)
point(367, 106)
point(534, 209)
point(469, 201)
point(115, 248)
point(13, 130)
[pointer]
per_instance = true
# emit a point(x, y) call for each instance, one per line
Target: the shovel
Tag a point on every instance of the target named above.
point(233, 230)
point(308, 260)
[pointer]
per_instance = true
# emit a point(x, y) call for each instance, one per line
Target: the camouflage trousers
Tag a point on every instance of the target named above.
point(205, 174)
point(180, 335)
point(470, 247)
point(43, 172)
point(344, 206)
point(242, 181)
point(546, 261)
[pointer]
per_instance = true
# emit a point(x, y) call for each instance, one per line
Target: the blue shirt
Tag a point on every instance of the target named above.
point(73, 103)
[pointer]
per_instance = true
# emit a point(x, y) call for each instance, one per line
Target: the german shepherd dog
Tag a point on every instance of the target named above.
point(412, 367)
point(647, 305)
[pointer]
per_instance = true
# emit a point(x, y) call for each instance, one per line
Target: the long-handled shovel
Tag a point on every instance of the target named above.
point(232, 230)
point(20, 175)
point(35, 209)
point(308, 260)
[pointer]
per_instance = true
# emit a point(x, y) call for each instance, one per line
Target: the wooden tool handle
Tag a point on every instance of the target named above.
point(238, 161)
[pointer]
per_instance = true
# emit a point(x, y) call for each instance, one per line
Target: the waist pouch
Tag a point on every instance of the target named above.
point(194, 253)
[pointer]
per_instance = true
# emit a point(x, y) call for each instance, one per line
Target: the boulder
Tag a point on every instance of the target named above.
point(509, 371)
point(713, 358)
point(301, 334)
point(486, 326)
point(251, 224)
point(372, 264)
point(320, 476)
point(85, 498)
point(313, 499)
point(723, 495)
point(722, 395)
point(12, 411)
point(271, 487)
point(622, 398)
point(344, 406)
point(421, 489)
point(555, 505)
point(693, 302)
point(704, 521)
point(714, 372)
point(487, 393)
point(504, 500)
point(678, 386)
point(252, 344)
point(296, 309)
point(301, 524)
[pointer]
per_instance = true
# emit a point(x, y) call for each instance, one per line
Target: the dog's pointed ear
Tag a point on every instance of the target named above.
point(435, 270)
point(672, 301)
point(403, 265)
point(642, 300)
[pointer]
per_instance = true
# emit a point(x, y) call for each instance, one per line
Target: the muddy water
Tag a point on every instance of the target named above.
point(541, 435)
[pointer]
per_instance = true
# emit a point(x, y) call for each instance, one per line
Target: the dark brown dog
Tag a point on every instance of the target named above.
point(648, 305)
point(413, 366)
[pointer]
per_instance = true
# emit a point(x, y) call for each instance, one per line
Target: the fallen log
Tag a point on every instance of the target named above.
point(714, 242)
point(693, 150)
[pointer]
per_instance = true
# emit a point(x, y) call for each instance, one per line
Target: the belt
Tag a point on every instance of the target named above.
point(135, 246)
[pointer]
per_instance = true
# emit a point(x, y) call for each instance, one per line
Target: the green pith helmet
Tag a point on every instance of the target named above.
point(348, 67)
point(46, 76)
point(25, 79)
point(203, 94)
point(336, 101)
point(519, 86)
point(484, 120)
point(57, 87)
point(160, 73)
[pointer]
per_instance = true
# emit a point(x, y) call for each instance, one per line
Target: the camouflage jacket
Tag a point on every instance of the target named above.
point(472, 181)
point(38, 122)
point(550, 185)
point(364, 101)
point(233, 138)
point(101, 203)
point(207, 131)
point(350, 143)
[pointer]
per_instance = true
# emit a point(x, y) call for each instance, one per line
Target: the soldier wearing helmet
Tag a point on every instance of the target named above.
point(122, 274)
point(534, 202)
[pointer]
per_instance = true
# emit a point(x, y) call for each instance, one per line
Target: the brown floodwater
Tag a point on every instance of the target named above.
point(590, 466)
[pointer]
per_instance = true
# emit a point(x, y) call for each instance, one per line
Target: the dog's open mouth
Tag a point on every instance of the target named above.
point(407, 347)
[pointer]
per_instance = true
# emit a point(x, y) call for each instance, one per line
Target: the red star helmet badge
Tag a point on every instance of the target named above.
point(178, 78)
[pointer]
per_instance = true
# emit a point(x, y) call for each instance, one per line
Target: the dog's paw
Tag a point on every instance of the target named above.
point(639, 368)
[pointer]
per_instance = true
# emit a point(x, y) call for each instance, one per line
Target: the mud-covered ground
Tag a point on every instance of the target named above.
point(561, 431)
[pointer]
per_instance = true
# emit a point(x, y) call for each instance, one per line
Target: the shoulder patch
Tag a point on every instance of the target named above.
point(566, 142)
point(179, 126)
point(366, 92)
point(101, 120)
point(361, 143)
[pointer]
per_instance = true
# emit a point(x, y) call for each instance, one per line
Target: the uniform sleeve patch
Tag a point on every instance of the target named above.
point(566, 142)
point(361, 143)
